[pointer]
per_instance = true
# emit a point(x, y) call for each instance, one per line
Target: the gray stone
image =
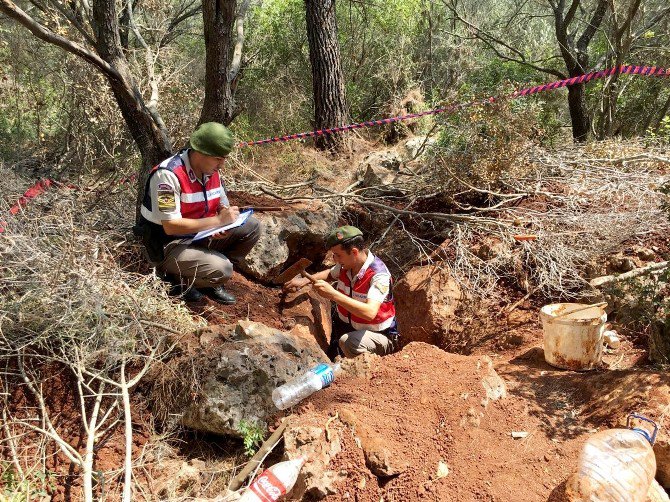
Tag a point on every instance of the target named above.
point(379, 170)
point(413, 145)
point(237, 377)
point(287, 236)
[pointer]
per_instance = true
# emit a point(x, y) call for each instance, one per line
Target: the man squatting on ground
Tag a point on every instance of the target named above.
point(184, 195)
point(365, 320)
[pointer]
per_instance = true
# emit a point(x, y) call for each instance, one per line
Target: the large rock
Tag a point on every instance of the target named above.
point(378, 170)
point(287, 236)
point(320, 445)
point(426, 301)
point(418, 146)
point(235, 377)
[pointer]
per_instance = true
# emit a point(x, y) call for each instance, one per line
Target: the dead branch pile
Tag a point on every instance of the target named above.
point(577, 205)
point(68, 303)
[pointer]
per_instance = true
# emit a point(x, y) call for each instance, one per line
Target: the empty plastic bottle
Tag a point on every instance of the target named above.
point(294, 391)
point(274, 482)
point(615, 465)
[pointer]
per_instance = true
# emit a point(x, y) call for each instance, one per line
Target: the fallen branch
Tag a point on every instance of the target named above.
point(606, 279)
point(256, 460)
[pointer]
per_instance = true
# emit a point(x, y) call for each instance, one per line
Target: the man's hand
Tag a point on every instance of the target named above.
point(325, 289)
point(227, 215)
point(295, 284)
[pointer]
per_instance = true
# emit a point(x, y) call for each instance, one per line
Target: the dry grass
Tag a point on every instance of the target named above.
point(69, 298)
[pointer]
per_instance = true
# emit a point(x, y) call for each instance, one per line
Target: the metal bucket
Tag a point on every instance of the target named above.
point(573, 341)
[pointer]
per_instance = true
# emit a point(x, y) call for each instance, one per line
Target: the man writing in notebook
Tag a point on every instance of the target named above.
point(183, 196)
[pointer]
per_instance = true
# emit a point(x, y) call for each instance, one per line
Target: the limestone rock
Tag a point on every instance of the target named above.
point(413, 145)
point(380, 460)
point(316, 479)
point(235, 379)
point(378, 170)
point(493, 385)
point(426, 301)
point(286, 236)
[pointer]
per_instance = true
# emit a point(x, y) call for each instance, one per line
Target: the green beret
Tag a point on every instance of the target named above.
point(213, 139)
point(341, 235)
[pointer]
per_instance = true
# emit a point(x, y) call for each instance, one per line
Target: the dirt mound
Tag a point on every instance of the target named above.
point(422, 410)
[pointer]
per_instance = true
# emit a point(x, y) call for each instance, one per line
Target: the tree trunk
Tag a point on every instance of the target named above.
point(218, 17)
point(330, 109)
point(579, 115)
point(152, 140)
point(150, 137)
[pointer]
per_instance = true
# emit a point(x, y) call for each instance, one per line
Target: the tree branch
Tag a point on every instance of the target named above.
point(14, 12)
point(592, 26)
point(492, 42)
point(239, 42)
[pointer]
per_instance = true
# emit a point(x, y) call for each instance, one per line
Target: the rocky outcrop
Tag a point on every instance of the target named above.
point(233, 378)
point(287, 236)
point(416, 147)
point(426, 301)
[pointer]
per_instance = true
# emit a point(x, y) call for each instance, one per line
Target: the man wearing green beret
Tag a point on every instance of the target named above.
point(364, 320)
point(183, 196)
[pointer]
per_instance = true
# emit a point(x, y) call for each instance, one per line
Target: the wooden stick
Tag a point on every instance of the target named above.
point(269, 443)
point(579, 309)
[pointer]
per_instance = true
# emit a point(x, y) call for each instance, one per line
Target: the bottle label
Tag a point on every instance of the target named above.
point(325, 373)
point(267, 487)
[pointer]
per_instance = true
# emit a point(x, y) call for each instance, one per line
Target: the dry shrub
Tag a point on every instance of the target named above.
point(67, 302)
point(411, 102)
point(485, 144)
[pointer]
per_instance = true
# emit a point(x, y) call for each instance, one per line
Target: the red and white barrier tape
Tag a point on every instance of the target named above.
point(43, 184)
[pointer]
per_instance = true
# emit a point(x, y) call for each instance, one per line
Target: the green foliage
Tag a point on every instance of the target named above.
point(663, 130)
point(398, 56)
point(14, 489)
point(253, 435)
point(642, 305)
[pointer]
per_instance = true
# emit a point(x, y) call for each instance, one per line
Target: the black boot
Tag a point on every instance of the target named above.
point(186, 292)
point(219, 294)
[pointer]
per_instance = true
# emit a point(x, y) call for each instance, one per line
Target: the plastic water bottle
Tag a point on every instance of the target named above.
point(274, 482)
point(294, 391)
point(616, 465)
